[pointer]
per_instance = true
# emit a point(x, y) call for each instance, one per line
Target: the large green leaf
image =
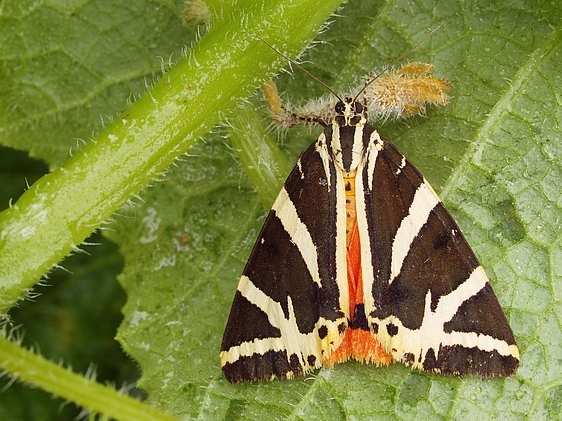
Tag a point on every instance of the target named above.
point(493, 153)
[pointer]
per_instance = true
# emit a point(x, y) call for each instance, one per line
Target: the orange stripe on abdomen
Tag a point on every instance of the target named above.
point(357, 343)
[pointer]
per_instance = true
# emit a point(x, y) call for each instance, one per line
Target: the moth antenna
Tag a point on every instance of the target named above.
point(299, 66)
point(397, 59)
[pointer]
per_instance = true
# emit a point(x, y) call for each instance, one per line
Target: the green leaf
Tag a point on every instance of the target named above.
point(493, 153)
point(67, 68)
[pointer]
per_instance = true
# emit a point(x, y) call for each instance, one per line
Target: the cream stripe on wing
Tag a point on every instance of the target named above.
point(357, 155)
point(423, 203)
point(291, 340)
point(375, 145)
point(431, 334)
point(332, 170)
point(287, 213)
point(366, 170)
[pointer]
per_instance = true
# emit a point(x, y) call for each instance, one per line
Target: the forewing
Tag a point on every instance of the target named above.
point(427, 299)
point(286, 313)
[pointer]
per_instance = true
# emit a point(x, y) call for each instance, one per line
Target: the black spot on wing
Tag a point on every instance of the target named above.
point(391, 329)
point(359, 320)
point(430, 360)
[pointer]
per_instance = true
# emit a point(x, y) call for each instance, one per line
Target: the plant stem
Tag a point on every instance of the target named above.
point(61, 209)
point(34, 369)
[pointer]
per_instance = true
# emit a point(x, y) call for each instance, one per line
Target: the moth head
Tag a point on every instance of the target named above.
point(350, 112)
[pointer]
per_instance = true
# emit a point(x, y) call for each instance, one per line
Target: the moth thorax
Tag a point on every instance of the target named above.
point(347, 147)
point(347, 134)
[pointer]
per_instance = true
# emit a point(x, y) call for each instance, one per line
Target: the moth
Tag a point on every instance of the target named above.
point(358, 258)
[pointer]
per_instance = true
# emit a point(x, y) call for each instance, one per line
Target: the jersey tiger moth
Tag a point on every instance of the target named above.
point(358, 258)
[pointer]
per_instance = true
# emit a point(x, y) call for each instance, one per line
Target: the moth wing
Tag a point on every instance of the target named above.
point(287, 312)
point(427, 299)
